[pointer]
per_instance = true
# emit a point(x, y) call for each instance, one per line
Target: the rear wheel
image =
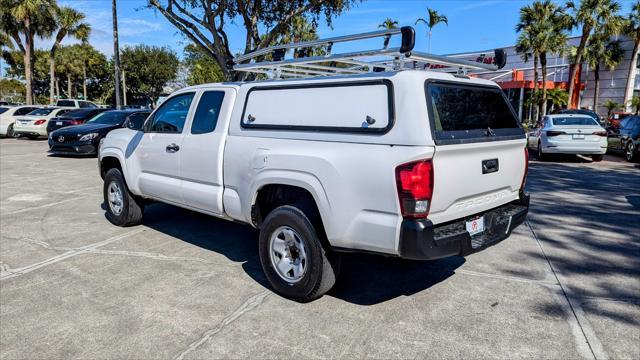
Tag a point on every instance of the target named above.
point(123, 208)
point(630, 152)
point(597, 158)
point(10, 132)
point(293, 258)
point(540, 154)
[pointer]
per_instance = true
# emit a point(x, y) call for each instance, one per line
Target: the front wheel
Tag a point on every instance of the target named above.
point(123, 208)
point(10, 132)
point(540, 154)
point(597, 158)
point(630, 152)
point(293, 258)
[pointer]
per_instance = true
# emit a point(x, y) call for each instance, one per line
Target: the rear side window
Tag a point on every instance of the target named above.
point(3, 110)
point(359, 106)
point(572, 121)
point(41, 112)
point(24, 111)
point(171, 115)
point(206, 117)
point(464, 113)
point(86, 104)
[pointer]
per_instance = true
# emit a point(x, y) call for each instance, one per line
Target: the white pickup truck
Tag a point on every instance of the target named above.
point(415, 164)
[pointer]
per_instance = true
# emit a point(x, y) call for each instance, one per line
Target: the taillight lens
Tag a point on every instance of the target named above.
point(526, 169)
point(39, 122)
point(75, 122)
point(600, 133)
point(555, 133)
point(415, 188)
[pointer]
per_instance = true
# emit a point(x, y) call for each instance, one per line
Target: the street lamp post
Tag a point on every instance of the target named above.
point(116, 53)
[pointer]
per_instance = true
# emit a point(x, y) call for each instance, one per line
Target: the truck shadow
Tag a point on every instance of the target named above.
point(364, 279)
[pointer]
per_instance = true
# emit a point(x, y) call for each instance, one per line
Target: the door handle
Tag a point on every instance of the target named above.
point(172, 148)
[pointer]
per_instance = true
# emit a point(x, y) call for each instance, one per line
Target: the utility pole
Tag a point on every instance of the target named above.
point(116, 53)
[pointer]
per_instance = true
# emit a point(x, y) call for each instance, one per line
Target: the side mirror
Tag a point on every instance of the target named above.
point(134, 125)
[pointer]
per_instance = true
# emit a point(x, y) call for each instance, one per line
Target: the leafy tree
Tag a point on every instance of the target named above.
point(16, 69)
point(590, 15)
point(601, 51)
point(67, 21)
point(611, 106)
point(23, 20)
point(388, 23)
point(201, 67)
point(12, 90)
point(205, 23)
point(635, 104)
point(542, 27)
point(148, 69)
point(558, 98)
point(434, 19)
point(632, 29)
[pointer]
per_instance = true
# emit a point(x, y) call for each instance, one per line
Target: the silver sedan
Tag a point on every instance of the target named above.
point(569, 134)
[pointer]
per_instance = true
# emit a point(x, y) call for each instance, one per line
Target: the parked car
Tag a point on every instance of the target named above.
point(34, 124)
point(415, 164)
point(78, 104)
point(626, 138)
point(84, 139)
point(616, 117)
point(9, 116)
point(569, 134)
point(73, 117)
point(582, 112)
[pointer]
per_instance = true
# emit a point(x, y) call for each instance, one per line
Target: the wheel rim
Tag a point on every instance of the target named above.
point(114, 197)
point(288, 254)
point(629, 151)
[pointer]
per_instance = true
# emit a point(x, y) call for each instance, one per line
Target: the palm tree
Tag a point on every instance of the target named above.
point(599, 51)
point(68, 21)
point(23, 20)
point(611, 105)
point(635, 104)
point(434, 19)
point(632, 29)
point(558, 98)
point(388, 23)
point(525, 45)
point(590, 15)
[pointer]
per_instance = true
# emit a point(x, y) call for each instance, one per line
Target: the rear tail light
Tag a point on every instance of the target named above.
point(75, 122)
point(40, 122)
point(600, 133)
point(415, 188)
point(555, 133)
point(526, 170)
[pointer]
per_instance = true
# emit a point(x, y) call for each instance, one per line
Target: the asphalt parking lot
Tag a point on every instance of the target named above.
point(184, 285)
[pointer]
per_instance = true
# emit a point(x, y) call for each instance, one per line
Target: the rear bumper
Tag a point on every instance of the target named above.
point(30, 132)
point(421, 240)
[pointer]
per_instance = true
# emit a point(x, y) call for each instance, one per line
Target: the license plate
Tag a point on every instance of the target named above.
point(475, 226)
point(58, 122)
point(578, 137)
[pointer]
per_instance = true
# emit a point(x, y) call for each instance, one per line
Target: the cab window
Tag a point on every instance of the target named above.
point(171, 115)
point(206, 117)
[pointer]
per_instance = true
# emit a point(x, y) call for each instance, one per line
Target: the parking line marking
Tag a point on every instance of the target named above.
point(44, 206)
point(81, 250)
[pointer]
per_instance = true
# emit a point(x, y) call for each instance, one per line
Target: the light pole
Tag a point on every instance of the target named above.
point(116, 53)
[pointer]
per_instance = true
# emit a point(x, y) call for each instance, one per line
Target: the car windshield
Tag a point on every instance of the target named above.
point(572, 121)
point(3, 109)
point(41, 112)
point(109, 117)
point(66, 103)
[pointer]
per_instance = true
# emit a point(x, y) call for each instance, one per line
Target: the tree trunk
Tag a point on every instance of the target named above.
point(28, 64)
point(534, 104)
point(586, 31)
point(543, 66)
point(57, 88)
point(630, 78)
point(429, 48)
point(69, 86)
point(84, 80)
point(52, 76)
point(596, 90)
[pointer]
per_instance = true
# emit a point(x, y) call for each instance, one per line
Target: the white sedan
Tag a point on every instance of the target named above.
point(569, 134)
point(34, 124)
point(9, 114)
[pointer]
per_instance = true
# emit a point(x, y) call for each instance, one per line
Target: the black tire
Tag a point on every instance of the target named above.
point(630, 152)
point(131, 208)
point(32, 137)
point(597, 158)
point(10, 132)
point(321, 266)
point(539, 154)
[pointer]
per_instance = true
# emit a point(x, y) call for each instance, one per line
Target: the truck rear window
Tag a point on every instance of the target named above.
point(464, 113)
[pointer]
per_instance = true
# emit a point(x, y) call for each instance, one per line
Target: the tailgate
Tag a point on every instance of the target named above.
point(476, 177)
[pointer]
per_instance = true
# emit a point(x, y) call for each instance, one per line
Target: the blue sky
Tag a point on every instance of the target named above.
point(473, 24)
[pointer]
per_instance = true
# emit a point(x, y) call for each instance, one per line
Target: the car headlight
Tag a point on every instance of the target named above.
point(89, 137)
